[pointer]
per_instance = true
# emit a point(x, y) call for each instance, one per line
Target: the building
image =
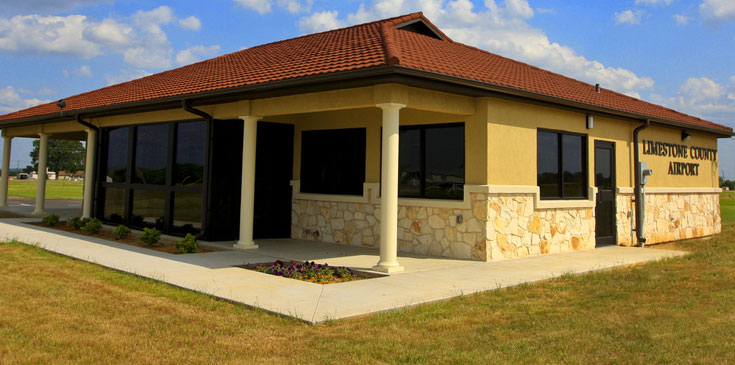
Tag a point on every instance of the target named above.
point(387, 134)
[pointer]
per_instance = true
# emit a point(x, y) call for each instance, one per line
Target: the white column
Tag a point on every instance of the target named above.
point(41, 182)
point(247, 191)
point(89, 174)
point(6, 172)
point(389, 191)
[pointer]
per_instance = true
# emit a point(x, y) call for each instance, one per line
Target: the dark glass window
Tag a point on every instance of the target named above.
point(148, 209)
point(561, 165)
point(431, 161)
point(187, 215)
point(409, 162)
point(333, 161)
point(190, 141)
point(117, 155)
point(151, 154)
point(167, 184)
point(114, 205)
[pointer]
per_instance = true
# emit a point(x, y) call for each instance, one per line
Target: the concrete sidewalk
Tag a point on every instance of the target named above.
point(425, 279)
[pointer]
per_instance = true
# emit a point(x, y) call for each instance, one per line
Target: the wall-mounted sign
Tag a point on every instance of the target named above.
point(674, 150)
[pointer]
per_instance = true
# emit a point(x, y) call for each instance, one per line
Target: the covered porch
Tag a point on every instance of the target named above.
point(379, 111)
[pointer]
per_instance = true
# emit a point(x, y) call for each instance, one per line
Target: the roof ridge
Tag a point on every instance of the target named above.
point(158, 74)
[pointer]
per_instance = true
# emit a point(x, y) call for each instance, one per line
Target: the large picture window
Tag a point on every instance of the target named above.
point(431, 161)
point(333, 161)
point(154, 176)
point(561, 165)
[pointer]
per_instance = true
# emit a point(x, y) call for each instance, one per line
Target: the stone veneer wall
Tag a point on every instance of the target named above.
point(670, 217)
point(516, 229)
point(421, 230)
point(495, 227)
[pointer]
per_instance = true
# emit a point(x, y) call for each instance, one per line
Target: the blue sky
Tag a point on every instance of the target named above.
point(672, 52)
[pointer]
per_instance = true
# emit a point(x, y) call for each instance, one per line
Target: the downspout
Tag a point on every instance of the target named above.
point(207, 189)
point(637, 188)
point(87, 124)
point(94, 169)
point(185, 105)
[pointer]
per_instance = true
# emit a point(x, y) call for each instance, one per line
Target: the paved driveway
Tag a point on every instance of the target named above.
point(63, 207)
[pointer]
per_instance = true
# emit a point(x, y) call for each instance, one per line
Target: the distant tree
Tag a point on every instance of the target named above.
point(28, 169)
point(62, 155)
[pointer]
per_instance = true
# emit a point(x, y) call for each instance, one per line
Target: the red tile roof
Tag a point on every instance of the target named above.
point(358, 47)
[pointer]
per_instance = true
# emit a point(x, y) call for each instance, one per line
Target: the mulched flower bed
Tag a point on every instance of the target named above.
point(311, 272)
point(164, 245)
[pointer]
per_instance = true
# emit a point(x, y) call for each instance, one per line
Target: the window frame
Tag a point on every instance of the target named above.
point(169, 187)
point(422, 157)
point(560, 155)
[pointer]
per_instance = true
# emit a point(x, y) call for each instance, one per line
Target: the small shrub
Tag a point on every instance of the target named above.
point(151, 236)
point(75, 223)
point(121, 232)
point(188, 244)
point(93, 226)
point(50, 220)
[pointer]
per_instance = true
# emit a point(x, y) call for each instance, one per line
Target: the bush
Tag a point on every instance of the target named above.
point(121, 232)
point(50, 220)
point(75, 223)
point(188, 244)
point(92, 226)
point(151, 236)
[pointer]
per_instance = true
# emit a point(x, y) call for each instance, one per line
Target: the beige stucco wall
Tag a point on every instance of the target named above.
point(500, 138)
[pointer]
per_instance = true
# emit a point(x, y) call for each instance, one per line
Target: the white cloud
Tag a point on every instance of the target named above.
point(296, 6)
point(191, 23)
point(196, 54)
point(85, 71)
point(261, 6)
point(321, 21)
point(519, 8)
point(55, 6)
point(10, 100)
point(109, 32)
point(705, 98)
point(126, 75)
point(160, 15)
point(35, 34)
point(505, 31)
point(148, 57)
point(45, 91)
point(139, 38)
point(718, 11)
point(653, 2)
point(629, 17)
point(681, 19)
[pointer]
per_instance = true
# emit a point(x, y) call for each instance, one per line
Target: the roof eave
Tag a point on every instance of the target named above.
point(499, 90)
point(353, 78)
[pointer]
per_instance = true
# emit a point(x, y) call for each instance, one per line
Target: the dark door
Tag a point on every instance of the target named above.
point(606, 228)
point(273, 174)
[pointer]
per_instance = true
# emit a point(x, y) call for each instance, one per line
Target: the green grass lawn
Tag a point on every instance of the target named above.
point(56, 309)
point(55, 189)
point(727, 205)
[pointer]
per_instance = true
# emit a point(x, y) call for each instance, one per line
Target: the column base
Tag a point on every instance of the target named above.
point(38, 212)
point(245, 245)
point(388, 268)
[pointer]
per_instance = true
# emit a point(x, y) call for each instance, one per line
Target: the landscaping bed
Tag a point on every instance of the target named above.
point(311, 271)
point(133, 239)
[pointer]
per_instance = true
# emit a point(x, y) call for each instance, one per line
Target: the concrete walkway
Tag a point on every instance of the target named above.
point(426, 279)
